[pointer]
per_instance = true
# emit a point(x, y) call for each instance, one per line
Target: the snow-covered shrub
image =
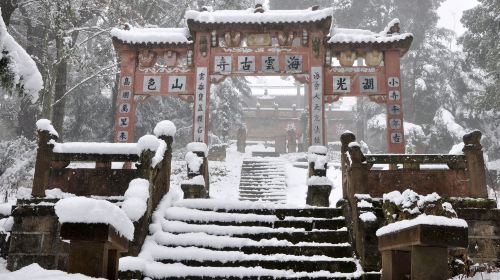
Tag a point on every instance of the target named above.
point(17, 165)
point(408, 205)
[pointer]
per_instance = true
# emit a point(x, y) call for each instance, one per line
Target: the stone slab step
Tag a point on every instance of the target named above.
point(307, 225)
point(265, 154)
point(295, 265)
point(326, 236)
point(317, 212)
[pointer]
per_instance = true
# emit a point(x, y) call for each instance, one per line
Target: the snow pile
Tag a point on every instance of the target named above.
point(165, 128)
point(57, 193)
point(91, 211)
point(365, 204)
point(368, 217)
point(152, 35)
point(249, 16)
point(319, 181)
point(21, 65)
point(136, 199)
point(321, 150)
point(317, 155)
point(421, 220)
point(148, 142)
point(197, 147)
point(347, 35)
point(195, 181)
point(6, 224)
point(409, 208)
point(46, 125)
point(36, 272)
point(6, 208)
point(95, 148)
point(457, 149)
point(193, 161)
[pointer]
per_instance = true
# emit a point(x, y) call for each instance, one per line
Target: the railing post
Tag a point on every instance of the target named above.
point(196, 157)
point(165, 131)
point(346, 138)
point(475, 164)
point(358, 172)
point(43, 157)
point(319, 186)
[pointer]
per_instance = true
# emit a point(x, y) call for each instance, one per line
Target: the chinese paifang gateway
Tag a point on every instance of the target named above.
point(184, 62)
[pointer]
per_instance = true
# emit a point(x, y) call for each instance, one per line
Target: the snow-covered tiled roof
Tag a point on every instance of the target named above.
point(250, 17)
point(346, 35)
point(152, 35)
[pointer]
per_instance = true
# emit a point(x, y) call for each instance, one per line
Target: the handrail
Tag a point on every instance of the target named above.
point(414, 158)
point(94, 157)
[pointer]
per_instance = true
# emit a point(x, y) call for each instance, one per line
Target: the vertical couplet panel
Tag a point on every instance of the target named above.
point(200, 125)
point(125, 102)
point(317, 106)
point(395, 129)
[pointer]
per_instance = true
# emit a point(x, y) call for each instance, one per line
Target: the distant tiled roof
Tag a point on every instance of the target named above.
point(250, 17)
point(134, 35)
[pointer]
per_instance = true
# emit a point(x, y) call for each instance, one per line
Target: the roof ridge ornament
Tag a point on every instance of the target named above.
point(259, 8)
point(315, 8)
point(392, 27)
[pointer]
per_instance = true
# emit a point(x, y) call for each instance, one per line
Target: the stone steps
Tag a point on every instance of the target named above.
point(263, 180)
point(245, 240)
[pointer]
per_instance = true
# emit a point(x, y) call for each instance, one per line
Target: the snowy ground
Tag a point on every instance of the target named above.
point(225, 176)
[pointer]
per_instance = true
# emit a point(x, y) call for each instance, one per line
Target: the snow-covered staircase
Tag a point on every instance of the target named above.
point(207, 239)
point(263, 178)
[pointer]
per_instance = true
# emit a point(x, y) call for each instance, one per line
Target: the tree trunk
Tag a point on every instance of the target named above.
point(8, 7)
point(60, 88)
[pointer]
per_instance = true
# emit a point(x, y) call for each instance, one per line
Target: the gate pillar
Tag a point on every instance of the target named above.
point(125, 102)
point(395, 123)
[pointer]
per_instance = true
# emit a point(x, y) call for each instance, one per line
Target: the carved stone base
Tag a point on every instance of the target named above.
point(194, 191)
point(318, 195)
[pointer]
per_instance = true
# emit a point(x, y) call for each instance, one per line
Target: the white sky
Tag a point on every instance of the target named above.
point(450, 13)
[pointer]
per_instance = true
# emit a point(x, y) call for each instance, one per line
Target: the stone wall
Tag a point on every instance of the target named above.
point(484, 229)
point(35, 237)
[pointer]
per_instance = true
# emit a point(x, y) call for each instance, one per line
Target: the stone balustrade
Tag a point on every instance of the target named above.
point(457, 176)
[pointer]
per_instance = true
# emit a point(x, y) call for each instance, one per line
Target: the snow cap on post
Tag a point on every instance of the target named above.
point(85, 210)
point(165, 128)
point(197, 147)
point(46, 125)
point(320, 150)
point(148, 142)
point(136, 199)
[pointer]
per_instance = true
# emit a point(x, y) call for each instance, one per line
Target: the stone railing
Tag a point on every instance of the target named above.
point(53, 160)
point(365, 178)
point(456, 176)
point(100, 170)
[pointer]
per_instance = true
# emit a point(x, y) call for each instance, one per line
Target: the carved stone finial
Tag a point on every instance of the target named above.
point(473, 138)
point(394, 29)
point(346, 138)
point(356, 154)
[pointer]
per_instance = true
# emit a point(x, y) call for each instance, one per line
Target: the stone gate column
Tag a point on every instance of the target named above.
point(202, 87)
point(125, 103)
point(316, 96)
point(201, 103)
point(395, 129)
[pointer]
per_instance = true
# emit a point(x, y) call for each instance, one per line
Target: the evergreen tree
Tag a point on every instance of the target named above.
point(481, 42)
